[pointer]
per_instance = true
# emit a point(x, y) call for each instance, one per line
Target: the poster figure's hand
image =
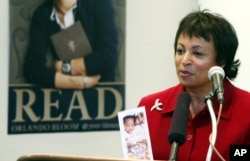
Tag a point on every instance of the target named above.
point(58, 65)
point(78, 66)
point(90, 81)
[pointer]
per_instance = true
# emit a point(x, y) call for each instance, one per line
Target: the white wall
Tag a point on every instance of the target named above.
point(237, 12)
point(151, 27)
point(150, 31)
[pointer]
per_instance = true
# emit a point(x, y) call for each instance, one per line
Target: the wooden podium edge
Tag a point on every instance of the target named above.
point(62, 157)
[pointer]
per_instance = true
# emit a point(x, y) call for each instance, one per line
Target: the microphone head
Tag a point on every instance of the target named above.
point(216, 74)
point(178, 127)
point(216, 69)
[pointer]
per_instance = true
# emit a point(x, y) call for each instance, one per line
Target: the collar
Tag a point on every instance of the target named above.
point(54, 16)
point(169, 103)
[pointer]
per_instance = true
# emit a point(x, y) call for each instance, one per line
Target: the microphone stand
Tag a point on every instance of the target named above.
point(174, 151)
point(208, 100)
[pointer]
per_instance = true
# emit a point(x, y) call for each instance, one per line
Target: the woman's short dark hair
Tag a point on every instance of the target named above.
point(213, 27)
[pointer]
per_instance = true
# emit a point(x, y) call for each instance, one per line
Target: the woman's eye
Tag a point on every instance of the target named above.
point(198, 53)
point(180, 51)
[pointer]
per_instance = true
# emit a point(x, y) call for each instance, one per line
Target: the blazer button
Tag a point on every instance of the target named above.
point(189, 137)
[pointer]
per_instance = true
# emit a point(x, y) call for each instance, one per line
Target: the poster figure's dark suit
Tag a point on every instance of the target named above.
point(98, 20)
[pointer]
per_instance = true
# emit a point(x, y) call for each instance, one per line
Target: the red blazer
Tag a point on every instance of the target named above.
point(233, 128)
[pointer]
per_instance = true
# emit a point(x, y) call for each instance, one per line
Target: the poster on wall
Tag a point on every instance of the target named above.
point(52, 91)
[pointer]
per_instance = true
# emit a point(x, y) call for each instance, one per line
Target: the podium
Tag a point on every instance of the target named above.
point(60, 157)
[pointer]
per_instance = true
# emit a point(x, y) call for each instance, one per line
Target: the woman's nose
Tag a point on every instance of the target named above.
point(186, 58)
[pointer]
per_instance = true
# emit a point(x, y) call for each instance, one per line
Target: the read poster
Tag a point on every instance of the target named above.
point(35, 109)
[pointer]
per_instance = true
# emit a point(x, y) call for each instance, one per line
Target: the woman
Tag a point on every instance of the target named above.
point(203, 40)
point(97, 19)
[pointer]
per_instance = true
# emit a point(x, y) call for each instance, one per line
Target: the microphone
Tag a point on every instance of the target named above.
point(216, 74)
point(178, 127)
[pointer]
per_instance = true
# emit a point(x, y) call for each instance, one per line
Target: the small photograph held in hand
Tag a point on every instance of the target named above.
point(134, 134)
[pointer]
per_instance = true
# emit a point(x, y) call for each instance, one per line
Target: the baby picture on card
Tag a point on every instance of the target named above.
point(134, 134)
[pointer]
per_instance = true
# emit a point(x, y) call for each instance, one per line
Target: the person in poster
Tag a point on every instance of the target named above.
point(98, 21)
point(36, 105)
